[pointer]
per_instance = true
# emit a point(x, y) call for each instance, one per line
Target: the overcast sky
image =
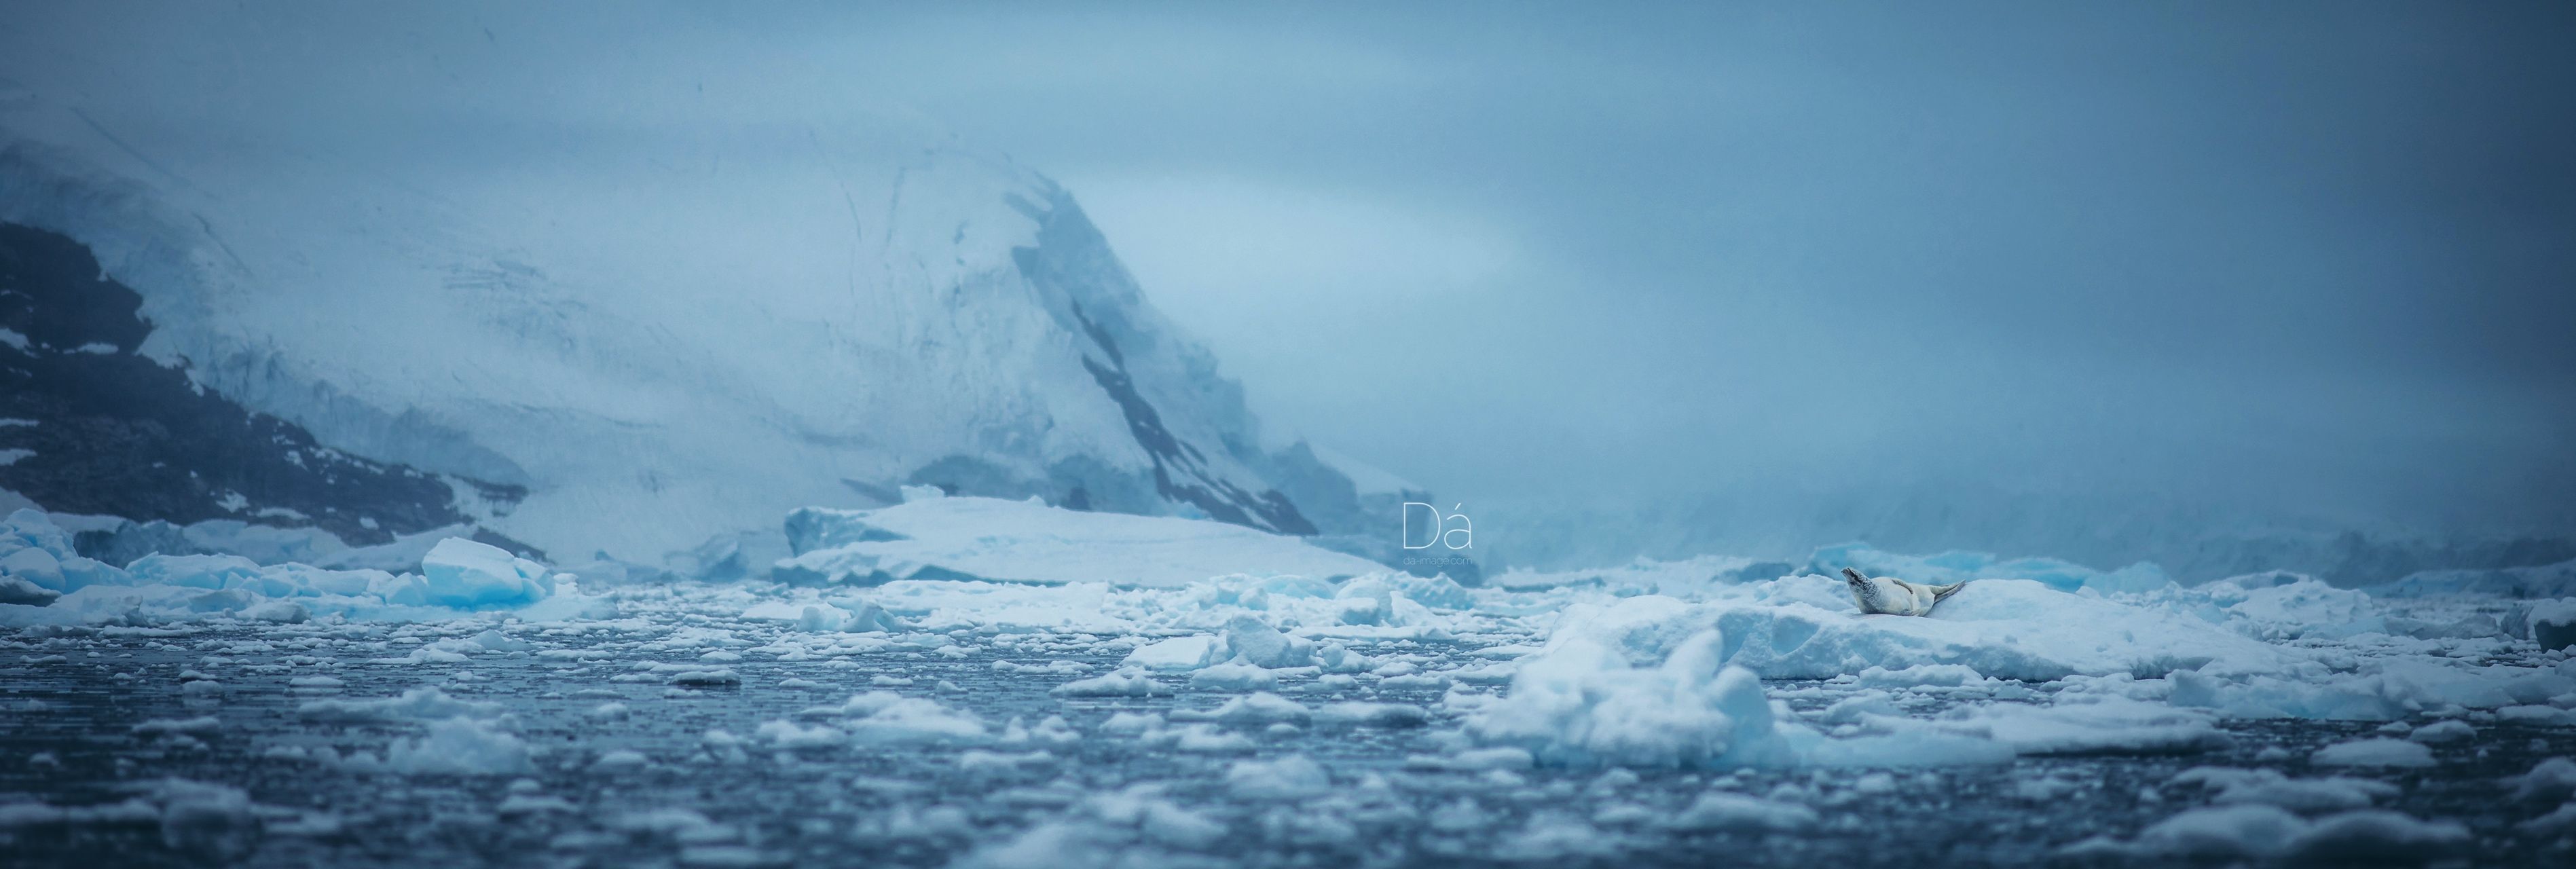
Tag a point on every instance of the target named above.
point(2307, 251)
point(2303, 253)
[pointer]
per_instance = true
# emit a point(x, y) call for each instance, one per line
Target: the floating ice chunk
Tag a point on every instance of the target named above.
point(2557, 823)
point(839, 615)
point(2549, 780)
point(623, 758)
point(1365, 714)
point(1935, 675)
point(1122, 682)
point(415, 704)
point(1253, 642)
point(2108, 725)
point(36, 552)
point(887, 718)
point(2269, 787)
point(1257, 708)
point(1727, 812)
point(531, 804)
point(704, 677)
point(1132, 723)
point(1202, 738)
point(2374, 752)
point(1233, 677)
point(200, 724)
point(2376, 836)
point(2366, 836)
point(1177, 654)
point(202, 821)
point(1054, 730)
point(2443, 732)
point(20, 590)
point(2384, 691)
point(1475, 760)
point(1580, 703)
point(2547, 716)
point(1052, 668)
point(1334, 658)
point(2553, 623)
point(1294, 777)
point(2217, 832)
point(1367, 600)
point(1555, 837)
point(1914, 745)
point(493, 639)
point(788, 734)
point(2276, 607)
point(2010, 629)
point(463, 574)
point(460, 746)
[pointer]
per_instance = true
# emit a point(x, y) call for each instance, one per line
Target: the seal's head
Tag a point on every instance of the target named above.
point(1863, 591)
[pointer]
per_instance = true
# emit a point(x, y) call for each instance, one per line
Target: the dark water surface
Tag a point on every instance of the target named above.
point(70, 705)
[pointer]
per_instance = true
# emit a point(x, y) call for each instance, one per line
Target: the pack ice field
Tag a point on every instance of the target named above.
point(983, 682)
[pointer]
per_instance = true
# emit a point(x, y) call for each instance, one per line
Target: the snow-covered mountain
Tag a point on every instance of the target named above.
point(620, 348)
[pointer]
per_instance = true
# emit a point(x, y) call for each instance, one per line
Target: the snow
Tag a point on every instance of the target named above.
point(1029, 541)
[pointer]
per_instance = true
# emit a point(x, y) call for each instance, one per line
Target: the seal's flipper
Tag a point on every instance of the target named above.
point(1943, 592)
point(1855, 575)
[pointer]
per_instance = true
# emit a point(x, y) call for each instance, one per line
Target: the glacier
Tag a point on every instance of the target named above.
point(620, 357)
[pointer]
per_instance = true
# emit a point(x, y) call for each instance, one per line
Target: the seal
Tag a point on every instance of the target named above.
point(1896, 597)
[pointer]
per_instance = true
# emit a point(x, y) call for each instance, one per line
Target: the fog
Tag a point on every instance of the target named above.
point(2288, 262)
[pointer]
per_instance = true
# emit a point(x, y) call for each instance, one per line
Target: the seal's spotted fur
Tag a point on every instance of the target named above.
point(1896, 597)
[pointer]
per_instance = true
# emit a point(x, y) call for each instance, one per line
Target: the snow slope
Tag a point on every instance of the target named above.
point(665, 336)
point(1020, 541)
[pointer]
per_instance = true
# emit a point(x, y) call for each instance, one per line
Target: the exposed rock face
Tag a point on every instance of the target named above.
point(96, 427)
